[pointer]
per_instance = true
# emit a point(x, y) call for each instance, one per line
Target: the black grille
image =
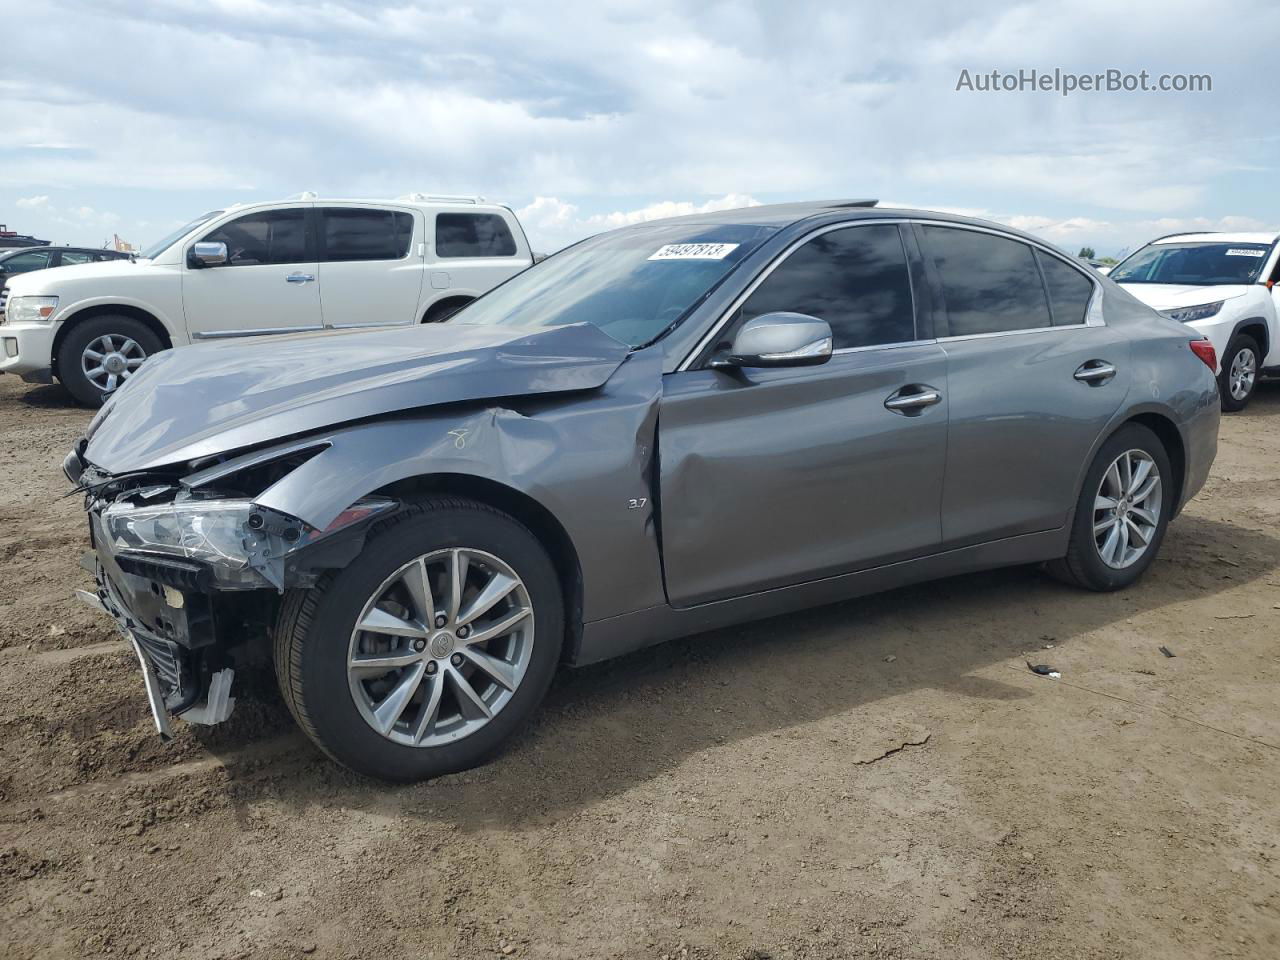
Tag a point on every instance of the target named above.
point(4, 300)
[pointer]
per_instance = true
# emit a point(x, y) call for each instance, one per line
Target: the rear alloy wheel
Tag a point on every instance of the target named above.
point(1126, 509)
point(99, 355)
point(1122, 513)
point(1239, 374)
point(429, 650)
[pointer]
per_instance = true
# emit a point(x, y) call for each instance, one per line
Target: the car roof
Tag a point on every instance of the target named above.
point(54, 246)
point(419, 200)
point(1218, 237)
point(786, 214)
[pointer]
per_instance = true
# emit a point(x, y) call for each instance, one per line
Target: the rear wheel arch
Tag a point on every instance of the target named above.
point(520, 506)
point(444, 308)
point(1171, 439)
point(109, 309)
point(1166, 430)
point(1086, 562)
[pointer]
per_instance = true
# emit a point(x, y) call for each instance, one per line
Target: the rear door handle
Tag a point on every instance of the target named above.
point(299, 278)
point(912, 399)
point(1095, 372)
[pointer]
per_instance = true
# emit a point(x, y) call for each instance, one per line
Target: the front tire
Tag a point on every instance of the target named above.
point(1239, 376)
point(1122, 514)
point(428, 651)
point(99, 354)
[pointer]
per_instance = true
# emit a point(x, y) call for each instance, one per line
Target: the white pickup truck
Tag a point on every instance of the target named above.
point(305, 264)
point(1223, 285)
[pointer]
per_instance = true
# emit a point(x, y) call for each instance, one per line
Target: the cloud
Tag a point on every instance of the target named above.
point(609, 108)
point(32, 203)
point(552, 223)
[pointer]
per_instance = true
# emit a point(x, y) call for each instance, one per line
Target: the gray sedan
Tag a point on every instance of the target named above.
point(672, 427)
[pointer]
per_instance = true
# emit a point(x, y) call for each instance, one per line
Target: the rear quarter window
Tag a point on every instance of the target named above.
point(1069, 291)
point(473, 235)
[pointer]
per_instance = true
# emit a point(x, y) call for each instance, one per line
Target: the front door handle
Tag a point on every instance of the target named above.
point(299, 278)
point(1095, 372)
point(912, 399)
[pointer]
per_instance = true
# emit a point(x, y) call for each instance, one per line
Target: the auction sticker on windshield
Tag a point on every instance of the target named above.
point(1233, 252)
point(694, 251)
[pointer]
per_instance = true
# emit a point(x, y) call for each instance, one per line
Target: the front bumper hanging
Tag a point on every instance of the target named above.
point(173, 674)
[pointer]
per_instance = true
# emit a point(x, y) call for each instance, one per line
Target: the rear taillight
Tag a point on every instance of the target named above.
point(1204, 350)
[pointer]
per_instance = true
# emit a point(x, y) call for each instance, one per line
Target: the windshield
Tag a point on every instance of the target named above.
point(1202, 264)
point(634, 284)
point(161, 246)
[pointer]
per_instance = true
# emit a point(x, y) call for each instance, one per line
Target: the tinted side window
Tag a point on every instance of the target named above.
point(70, 257)
point(855, 279)
point(1069, 290)
point(990, 284)
point(273, 236)
point(473, 235)
point(355, 234)
point(27, 261)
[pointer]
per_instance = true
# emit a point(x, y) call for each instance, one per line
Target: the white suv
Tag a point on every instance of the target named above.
point(264, 268)
point(1223, 285)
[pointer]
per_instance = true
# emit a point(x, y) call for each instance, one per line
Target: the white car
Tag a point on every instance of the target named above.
point(1223, 285)
point(263, 268)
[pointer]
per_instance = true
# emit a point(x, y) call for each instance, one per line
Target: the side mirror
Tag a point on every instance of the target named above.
point(208, 255)
point(779, 340)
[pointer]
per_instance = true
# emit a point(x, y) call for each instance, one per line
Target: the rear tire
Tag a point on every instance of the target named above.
point(103, 352)
point(1095, 561)
point(1241, 365)
point(351, 710)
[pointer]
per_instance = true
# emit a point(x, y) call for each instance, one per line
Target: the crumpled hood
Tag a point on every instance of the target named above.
point(213, 398)
point(1171, 296)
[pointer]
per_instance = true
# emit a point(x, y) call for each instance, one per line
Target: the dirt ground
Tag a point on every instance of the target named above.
point(883, 778)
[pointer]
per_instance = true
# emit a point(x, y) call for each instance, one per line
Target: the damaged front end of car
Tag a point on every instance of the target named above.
point(192, 568)
point(223, 476)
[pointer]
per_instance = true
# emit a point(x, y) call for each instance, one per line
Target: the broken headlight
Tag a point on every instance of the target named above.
point(244, 545)
point(216, 532)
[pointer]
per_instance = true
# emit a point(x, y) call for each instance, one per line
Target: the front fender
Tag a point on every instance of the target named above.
point(587, 459)
point(175, 328)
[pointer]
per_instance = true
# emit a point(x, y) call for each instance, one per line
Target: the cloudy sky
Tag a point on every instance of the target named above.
point(131, 116)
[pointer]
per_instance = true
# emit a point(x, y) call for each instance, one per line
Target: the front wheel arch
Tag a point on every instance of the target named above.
point(108, 309)
point(520, 506)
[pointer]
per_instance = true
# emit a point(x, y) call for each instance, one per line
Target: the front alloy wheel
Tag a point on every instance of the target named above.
point(1244, 370)
point(98, 355)
point(441, 647)
point(419, 657)
point(109, 360)
point(1239, 376)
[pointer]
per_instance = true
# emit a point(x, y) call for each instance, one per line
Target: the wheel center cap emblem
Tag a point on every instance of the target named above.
point(442, 645)
point(114, 363)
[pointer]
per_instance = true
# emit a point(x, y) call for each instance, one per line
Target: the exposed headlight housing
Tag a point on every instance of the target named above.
point(31, 309)
point(243, 545)
point(1199, 312)
point(215, 532)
